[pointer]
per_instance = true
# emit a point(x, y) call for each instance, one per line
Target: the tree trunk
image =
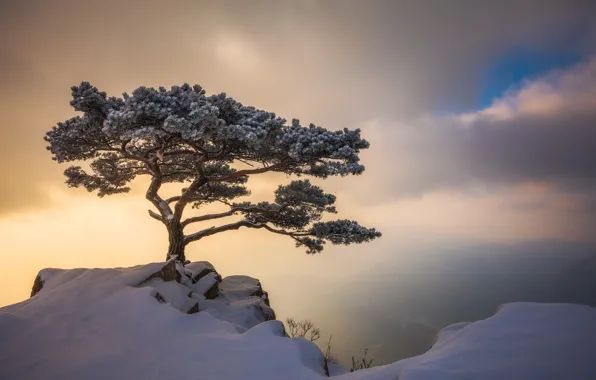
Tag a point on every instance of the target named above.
point(176, 239)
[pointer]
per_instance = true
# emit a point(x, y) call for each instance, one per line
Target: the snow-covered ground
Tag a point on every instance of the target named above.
point(150, 322)
point(522, 341)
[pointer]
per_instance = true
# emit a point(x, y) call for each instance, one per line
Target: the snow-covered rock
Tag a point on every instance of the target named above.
point(239, 287)
point(134, 323)
point(200, 269)
point(207, 285)
point(167, 272)
point(173, 293)
point(240, 301)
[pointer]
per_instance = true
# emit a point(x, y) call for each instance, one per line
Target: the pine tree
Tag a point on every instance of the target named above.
point(181, 135)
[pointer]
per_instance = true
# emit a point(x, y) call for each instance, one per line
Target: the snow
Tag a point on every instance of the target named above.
point(185, 274)
point(311, 355)
point(205, 283)
point(522, 341)
point(177, 295)
point(239, 287)
point(241, 314)
point(335, 369)
point(97, 324)
point(107, 324)
point(198, 267)
point(238, 302)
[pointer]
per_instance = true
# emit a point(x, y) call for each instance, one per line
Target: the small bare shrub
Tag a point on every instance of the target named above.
point(363, 363)
point(303, 329)
point(306, 329)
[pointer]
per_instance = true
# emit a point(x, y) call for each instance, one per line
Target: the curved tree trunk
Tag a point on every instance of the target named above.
point(176, 239)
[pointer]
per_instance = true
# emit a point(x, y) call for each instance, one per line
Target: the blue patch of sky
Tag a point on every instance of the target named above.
point(518, 65)
point(511, 67)
point(509, 71)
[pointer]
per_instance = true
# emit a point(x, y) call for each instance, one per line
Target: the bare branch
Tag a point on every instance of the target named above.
point(154, 187)
point(194, 186)
point(123, 146)
point(155, 215)
point(152, 192)
point(315, 334)
point(173, 199)
point(242, 223)
point(303, 329)
point(186, 197)
point(214, 230)
point(292, 327)
point(231, 212)
point(203, 218)
point(178, 172)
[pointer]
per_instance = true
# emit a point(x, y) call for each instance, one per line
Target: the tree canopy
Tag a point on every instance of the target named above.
point(182, 135)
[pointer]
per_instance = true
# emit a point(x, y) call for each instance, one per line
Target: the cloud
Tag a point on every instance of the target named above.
point(334, 63)
point(542, 132)
point(237, 53)
point(561, 91)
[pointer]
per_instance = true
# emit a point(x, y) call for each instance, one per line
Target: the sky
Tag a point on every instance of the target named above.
point(481, 117)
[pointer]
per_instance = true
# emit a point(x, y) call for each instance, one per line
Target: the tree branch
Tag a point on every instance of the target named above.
point(151, 193)
point(155, 215)
point(186, 197)
point(231, 212)
point(202, 218)
point(173, 199)
point(199, 149)
point(214, 230)
point(123, 146)
point(234, 226)
point(201, 180)
point(178, 152)
point(174, 173)
point(247, 172)
point(153, 196)
point(284, 232)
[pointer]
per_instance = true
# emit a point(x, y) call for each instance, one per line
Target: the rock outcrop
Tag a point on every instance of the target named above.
point(240, 300)
point(154, 321)
point(169, 272)
point(198, 287)
point(37, 285)
point(198, 269)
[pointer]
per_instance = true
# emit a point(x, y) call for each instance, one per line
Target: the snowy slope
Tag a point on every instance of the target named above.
point(522, 341)
point(132, 323)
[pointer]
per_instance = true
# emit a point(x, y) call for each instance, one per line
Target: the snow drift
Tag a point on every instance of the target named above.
point(162, 321)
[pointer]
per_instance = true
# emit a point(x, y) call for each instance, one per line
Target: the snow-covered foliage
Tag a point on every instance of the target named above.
point(126, 324)
point(183, 135)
